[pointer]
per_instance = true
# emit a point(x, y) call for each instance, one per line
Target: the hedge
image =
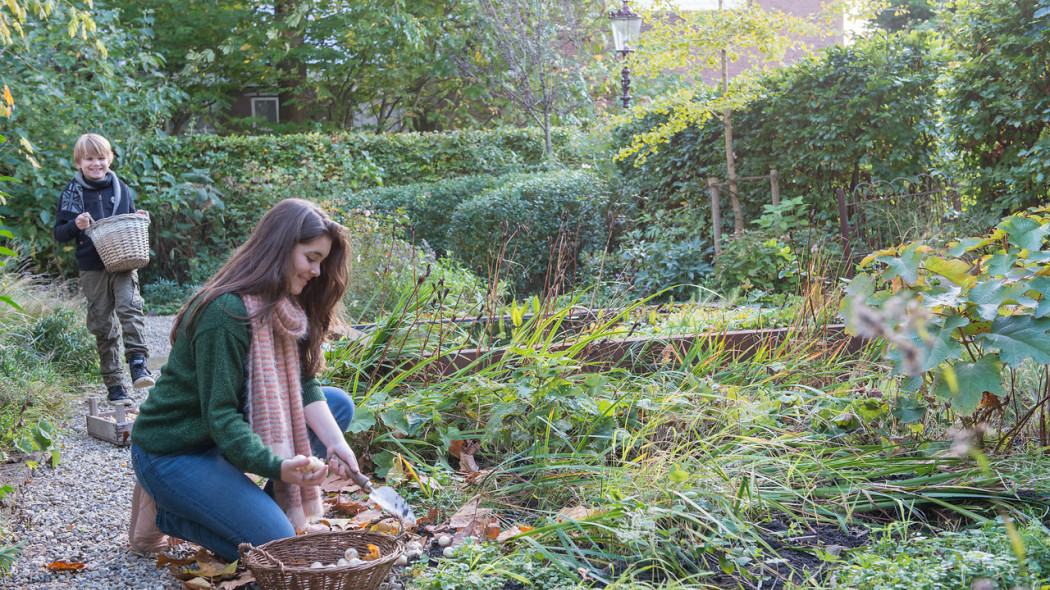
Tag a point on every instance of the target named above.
point(519, 230)
point(427, 205)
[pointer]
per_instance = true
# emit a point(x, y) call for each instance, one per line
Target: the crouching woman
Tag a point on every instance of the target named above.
point(239, 392)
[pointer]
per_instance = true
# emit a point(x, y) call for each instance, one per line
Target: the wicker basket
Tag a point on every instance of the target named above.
point(122, 241)
point(284, 564)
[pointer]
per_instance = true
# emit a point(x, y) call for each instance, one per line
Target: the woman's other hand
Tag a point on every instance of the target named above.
point(296, 471)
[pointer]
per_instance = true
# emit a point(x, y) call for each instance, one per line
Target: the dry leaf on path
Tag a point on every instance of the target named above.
point(163, 560)
point(65, 566)
point(197, 584)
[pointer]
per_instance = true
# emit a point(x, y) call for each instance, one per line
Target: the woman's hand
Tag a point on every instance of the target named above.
point(297, 471)
point(341, 461)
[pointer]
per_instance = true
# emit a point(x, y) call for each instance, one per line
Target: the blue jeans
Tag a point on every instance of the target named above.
point(203, 498)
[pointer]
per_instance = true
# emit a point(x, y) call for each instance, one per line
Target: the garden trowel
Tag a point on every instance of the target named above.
point(385, 497)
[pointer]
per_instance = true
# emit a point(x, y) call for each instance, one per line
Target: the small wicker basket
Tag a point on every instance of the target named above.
point(284, 564)
point(122, 241)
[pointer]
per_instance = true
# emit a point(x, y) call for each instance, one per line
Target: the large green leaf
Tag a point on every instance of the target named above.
point(1018, 338)
point(1000, 264)
point(972, 379)
point(956, 271)
point(1025, 232)
point(992, 294)
point(963, 246)
point(906, 267)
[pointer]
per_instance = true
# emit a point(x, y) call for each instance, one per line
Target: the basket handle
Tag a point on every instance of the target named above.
point(245, 548)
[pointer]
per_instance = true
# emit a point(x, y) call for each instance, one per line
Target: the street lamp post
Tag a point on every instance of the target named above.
point(625, 26)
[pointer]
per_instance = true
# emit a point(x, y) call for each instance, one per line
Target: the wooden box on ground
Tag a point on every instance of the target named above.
point(114, 427)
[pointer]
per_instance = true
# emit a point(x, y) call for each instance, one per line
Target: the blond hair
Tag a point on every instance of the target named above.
point(92, 144)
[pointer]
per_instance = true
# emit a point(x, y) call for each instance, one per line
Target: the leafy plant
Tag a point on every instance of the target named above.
point(482, 566)
point(755, 260)
point(959, 320)
point(900, 558)
point(43, 439)
point(665, 255)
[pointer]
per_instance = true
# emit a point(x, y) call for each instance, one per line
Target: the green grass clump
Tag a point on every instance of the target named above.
point(165, 296)
point(482, 566)
point(951, 559)
point(46, 352)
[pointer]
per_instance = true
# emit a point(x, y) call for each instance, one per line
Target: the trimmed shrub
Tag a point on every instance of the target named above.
point(428, 206)
point(519, 230)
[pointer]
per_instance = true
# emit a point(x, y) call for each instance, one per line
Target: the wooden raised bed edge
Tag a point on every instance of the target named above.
point(645, 353)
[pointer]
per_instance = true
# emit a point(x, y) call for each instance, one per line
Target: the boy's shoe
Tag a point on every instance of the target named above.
point(140, 375)
point(118, 394)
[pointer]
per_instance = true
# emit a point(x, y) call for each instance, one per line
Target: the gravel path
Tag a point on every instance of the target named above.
point(80, 511)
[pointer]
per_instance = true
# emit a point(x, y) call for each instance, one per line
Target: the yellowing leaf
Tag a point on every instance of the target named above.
point(25, 144)
point(677, 475)
point(8, 98)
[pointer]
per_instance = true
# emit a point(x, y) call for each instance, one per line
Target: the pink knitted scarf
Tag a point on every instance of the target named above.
point(275, 406)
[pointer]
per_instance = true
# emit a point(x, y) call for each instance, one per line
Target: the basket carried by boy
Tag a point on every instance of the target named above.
point(122, 241)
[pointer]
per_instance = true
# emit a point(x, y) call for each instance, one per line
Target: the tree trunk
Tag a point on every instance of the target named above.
point(547, 132)
point(292, 71)
point(727, 124)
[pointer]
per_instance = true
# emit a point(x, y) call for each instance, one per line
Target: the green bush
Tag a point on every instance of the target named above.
point(518, 230)
point(428, 205)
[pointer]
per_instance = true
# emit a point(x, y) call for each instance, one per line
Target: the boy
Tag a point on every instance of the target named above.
point(114, 304)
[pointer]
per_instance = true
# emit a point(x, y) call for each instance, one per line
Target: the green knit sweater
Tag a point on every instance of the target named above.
point(199, 397)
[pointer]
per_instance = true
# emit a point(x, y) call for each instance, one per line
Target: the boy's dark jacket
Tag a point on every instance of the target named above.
point(103, 198)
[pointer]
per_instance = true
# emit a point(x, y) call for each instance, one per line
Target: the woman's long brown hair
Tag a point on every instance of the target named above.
point(262, 266)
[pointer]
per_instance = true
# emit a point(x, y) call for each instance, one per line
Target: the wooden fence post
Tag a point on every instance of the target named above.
point(716, 216)
point(774, 181)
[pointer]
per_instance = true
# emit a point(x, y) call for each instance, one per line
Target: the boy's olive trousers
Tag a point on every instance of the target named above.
point(114, 306)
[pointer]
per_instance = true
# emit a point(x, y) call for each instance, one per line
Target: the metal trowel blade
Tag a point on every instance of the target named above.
point(392, 502)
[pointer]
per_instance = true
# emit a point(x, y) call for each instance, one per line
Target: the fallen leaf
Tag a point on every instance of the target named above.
point(455, 448)
point(351, 508)
point(340, 524)
point(513, 531)
point(492, 530)
point(367, 517)
point(197, 584)
point(372, 555)
point(430, 518)
point(210, 566)
point(65, 566)
point(387, 526)
point(243, 579)
point(469, 513)
point(332, 484)
point(575, 513)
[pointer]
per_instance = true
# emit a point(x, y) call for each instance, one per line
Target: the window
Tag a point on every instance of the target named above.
point(266, 108)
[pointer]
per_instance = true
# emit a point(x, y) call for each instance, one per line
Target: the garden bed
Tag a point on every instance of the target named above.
point(649, 354)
